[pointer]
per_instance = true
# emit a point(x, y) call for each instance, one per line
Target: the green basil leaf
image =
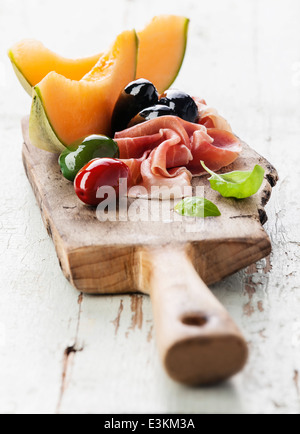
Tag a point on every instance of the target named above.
point(197, 207)
point(236, 184)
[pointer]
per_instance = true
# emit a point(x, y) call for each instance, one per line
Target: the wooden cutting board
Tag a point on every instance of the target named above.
point(198, 341)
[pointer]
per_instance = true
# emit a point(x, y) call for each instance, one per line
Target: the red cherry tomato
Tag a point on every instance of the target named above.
point(98, 173)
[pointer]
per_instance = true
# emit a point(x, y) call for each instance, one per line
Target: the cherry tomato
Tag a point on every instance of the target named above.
point(98, 173)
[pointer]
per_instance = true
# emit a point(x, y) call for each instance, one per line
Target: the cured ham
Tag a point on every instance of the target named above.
point(209, 117)
point(134, 165)
point(166, 152)
point(220, 151)
point(175, 184)
point(142, 133)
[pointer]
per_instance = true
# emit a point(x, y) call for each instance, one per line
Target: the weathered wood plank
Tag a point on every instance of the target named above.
point(242, 58)
point(38, 309)
point(105, 257)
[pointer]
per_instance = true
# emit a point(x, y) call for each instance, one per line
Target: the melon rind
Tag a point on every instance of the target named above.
point(154, 55)
point(41, 132)
point(25, 84)
point(185, 35)
point(35, 54)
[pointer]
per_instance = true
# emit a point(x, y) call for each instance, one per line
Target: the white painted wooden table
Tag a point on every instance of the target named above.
point(63, 352)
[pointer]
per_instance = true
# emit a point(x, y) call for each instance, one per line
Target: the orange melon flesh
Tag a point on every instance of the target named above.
point(76, 109)
point(161, 53)
point(162, 49)
point(34, 61)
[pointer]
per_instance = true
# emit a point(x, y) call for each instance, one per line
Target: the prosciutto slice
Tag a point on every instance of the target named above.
point(220, 151)
point(134, 165)
point(166, 152)
point(149, 129)
point(209, 117)
point(176, 183)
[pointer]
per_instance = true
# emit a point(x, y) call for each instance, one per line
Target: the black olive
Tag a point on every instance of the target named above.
point(151, 113)
point(136, 96)
point(183, 105)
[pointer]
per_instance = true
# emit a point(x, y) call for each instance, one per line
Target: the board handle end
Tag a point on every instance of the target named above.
point(198, 341)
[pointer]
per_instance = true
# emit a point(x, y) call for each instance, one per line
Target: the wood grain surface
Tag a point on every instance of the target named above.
point(64, 352)
point(198, 341)
point(105, 257)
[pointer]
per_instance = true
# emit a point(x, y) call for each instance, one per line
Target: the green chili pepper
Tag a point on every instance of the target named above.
point(73, 159)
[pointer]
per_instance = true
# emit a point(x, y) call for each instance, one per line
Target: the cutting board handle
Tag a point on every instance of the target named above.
point(198, 341)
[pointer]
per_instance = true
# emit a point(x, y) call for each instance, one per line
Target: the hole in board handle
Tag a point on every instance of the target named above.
point(195, 319)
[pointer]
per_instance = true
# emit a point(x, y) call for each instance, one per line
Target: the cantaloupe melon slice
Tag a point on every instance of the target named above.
point(65, 110)
point(161, 53)
point(32, 61)
point(162, 49)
